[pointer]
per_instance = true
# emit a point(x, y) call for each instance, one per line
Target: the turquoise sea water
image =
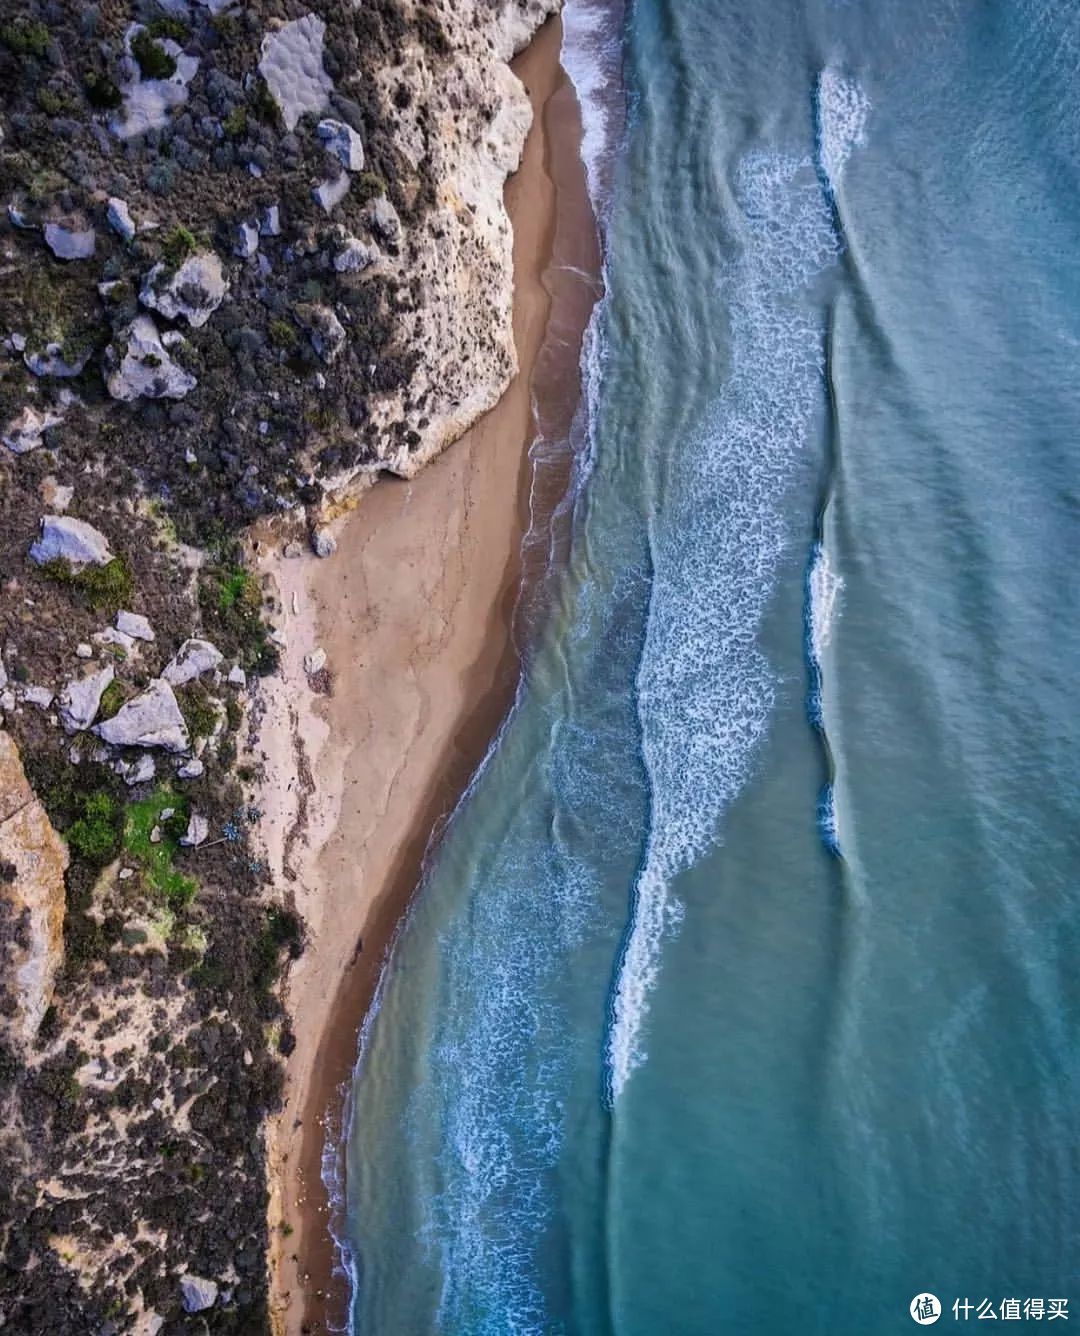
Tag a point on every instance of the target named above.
point(742, 993)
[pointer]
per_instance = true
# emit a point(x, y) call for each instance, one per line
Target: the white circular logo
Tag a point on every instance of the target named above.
point(925, 1309)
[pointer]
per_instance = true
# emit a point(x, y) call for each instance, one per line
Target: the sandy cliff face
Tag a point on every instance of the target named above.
point(477, 115)
point(33, 859)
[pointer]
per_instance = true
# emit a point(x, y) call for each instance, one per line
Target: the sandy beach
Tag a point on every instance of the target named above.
point(415, 614)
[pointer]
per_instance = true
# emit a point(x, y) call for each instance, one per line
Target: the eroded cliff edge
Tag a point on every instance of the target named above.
point(253, 255)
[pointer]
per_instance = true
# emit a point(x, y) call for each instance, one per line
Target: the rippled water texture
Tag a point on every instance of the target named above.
point(741, 993)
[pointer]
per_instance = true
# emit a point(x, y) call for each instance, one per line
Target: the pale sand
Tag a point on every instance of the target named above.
point(414, 613)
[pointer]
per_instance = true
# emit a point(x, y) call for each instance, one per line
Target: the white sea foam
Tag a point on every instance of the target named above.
point(842, 109)
point(824, 589)
point(704, 688)
point(592, 57)
point(828, 822)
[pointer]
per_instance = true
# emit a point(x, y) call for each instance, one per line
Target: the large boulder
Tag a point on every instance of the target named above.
point(194, 291)
point(197, 1293)
point(292, 65)
point(74, 541)
point(70, 241)
point(80, 700)
point(151, 719)
point(144, 370)
point(325, 330)
point(33, 859)
point(191, 660)
point(343, 142)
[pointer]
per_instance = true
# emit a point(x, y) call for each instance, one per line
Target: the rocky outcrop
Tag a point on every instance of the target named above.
point(191, 660)
point(144, 369)
point(192, 292)
point(70, 540)
point(292, 65)
point(81, 699)
point(33, 859)
point(151, 719)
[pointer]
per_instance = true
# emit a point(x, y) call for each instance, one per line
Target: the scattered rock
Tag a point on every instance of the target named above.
point(145, 370)
point(42, 697)
point(330, 193)
point(292, 549)
point(24, 432)
point(383, 220)
point(343, 142)
point(57, 496)
point(355, 256)
point(190, 769)
point(237, 676)
point(70, 540)
point(192, 659)
point(120, 219)
point(54, 362)
point(197, 1293)
point(81, 698)
point(148, 103)
point(134, 625)
point(140, 771)
point(83, 650)
point(270, 221)
point(155, 835)
point(323, 543)
point(247, 240)
point(325, 330)
point(152, 719)
point(197, 830)
point(194, 291)
point(70, 242)
point(126, 873)
point(292, 65)
point(111, 636)
point(315, 662)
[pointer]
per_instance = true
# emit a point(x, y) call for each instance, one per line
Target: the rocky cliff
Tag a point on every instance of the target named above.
point(253, 255)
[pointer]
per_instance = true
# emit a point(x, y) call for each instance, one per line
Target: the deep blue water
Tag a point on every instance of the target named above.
point(742, 993)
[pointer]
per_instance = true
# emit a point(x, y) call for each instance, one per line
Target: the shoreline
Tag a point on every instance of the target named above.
point(416, 613)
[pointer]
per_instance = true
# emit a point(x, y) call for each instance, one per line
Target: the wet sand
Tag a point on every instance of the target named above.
point(416, 615)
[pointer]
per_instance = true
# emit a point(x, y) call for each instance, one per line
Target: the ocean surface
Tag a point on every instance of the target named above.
point(742, 994)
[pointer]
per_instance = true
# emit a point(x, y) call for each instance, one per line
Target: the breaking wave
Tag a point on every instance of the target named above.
point(704, 688)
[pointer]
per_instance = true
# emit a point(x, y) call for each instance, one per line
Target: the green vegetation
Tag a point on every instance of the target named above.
point(264, 106)
point(101, 92)
point(25, 37)
point(284, 335)
point(197, 707)
point(170, 26)
point(154, 61)
point(156, 860)
point(369, 186)
point(112, 698)
point(105, 588)
point(231, 601)
point(235, 123)
point(178, 245)
point(54, 101)
point(95, 836)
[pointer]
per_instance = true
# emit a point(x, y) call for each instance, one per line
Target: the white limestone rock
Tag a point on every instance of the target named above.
point(270, 221)
point(246, 241)
point(83, 650)
point(151, 719)
point(196, 1293)
point(343, 142)
point(325, 330)
point(73, 541)
point(53, 361)
point(145, 370)
point(191, 660)
point(383, 220)
point(190, 769)
point(148, 103)
point(197, 830)
point(134, 625)
point(26, 431)
point(42, 697)
point(355, 256)
point(237, 677)
point(331, 193)
point(139, 771)
point(292, 65)
point(70, 241)
point(120, 219)
point(323, 543)
point(81, 698)
point(193, 292)
point(315, 662)
point(111, 636)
